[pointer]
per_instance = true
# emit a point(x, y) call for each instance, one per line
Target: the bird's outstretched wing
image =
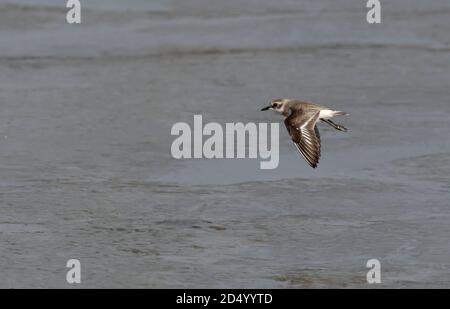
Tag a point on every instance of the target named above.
point(302, 128)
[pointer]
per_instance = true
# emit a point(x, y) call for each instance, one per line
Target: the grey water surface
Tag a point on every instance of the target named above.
point(86, 170)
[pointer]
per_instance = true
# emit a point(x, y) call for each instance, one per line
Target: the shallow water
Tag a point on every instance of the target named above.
point(85, 118)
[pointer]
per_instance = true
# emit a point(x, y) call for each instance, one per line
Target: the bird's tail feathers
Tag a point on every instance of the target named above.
point(339, 113)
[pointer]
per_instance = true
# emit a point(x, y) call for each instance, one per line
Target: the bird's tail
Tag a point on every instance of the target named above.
point(339, 113)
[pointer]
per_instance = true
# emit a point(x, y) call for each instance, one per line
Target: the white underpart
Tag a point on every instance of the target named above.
point(327, 113)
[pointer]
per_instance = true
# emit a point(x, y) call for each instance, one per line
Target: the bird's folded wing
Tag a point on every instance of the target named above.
point(305, 135)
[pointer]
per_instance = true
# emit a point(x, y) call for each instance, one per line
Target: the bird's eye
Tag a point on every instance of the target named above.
point(275, 105)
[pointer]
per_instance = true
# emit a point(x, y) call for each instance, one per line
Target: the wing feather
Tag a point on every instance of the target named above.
point(302, 128)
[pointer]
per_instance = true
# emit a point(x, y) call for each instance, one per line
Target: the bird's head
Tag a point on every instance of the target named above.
point(279, 105)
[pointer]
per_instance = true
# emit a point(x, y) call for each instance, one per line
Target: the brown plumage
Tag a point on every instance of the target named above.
point(301, 119)
point(303, 131)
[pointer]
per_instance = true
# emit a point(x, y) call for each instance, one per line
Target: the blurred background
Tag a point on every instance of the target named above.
point(85, 163)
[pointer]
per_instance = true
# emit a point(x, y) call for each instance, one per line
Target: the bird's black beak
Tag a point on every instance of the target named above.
point(266, 108)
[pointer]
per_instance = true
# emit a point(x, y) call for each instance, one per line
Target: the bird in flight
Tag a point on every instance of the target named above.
point(301, 119)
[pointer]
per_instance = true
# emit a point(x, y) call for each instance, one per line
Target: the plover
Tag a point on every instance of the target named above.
point(301, 119)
